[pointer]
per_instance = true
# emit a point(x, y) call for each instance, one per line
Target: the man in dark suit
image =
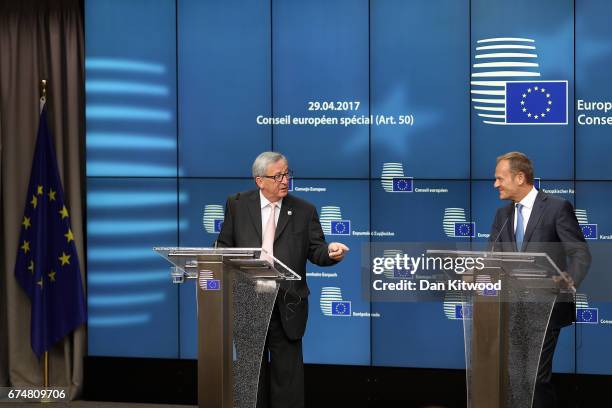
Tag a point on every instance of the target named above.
point(289, 229)
point(537, 222)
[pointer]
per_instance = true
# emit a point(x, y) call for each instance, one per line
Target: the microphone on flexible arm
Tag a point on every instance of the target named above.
point(497, 238)
point(499, 234)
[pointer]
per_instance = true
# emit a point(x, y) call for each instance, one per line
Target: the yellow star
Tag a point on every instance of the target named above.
point(34, 201)
point(31, 267)
point(51, 195)
point(64, 212)
point(69, 236)
point(40, 190)
point(64, 259)
point(40, 282)
point(51, 276)
point(25, 246)
point(26, 222)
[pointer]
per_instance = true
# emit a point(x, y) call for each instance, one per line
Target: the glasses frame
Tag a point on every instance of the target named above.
point(279, 177)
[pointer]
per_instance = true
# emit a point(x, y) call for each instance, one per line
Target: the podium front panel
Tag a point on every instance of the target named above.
point(504, 333)
point(253, 303)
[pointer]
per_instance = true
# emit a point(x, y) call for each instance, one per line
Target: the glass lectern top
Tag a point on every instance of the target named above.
point(523, 265)
point(247, 259)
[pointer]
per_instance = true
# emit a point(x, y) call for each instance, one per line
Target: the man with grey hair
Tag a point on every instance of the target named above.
point(288, 228)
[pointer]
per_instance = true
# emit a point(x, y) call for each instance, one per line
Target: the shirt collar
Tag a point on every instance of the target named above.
point(265, 202)
point(530, 198)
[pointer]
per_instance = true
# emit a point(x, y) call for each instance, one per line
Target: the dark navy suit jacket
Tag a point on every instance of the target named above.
point(553, 229)
point(298, 238)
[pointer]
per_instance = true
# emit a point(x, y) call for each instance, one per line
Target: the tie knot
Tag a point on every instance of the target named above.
point(519, 206)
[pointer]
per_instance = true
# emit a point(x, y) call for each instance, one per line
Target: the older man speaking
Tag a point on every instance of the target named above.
point(288, 228)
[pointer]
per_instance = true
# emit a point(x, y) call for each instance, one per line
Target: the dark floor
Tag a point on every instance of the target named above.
point(91, 404)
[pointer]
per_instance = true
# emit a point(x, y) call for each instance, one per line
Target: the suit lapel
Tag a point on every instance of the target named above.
point(534, 218)
point(255, 212)
point(284, 217)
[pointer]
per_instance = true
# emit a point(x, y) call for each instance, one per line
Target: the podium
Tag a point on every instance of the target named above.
point(504, 330)
point(236, 290)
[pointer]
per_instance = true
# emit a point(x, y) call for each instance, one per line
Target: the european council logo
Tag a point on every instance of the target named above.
point(207, 282)
point(481, 278)
point(588, 230)
point(332, 303)
point(455, 224)
point(332, 222)
point(454, 306)
point(584, 313)
point(213, 218)
point(506, 89)
point(393, 179)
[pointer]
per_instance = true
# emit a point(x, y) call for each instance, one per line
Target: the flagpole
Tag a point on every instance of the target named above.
point(43, 99)
point(46, 370)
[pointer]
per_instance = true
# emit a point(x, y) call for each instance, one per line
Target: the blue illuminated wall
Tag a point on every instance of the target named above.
point(173, 90)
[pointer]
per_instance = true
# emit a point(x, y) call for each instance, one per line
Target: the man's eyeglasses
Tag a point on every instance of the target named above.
point(279, 177)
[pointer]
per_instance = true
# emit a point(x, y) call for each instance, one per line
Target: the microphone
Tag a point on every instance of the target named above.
point(499, 234)
point(497, 238)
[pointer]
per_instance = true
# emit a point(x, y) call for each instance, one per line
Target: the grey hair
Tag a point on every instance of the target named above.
point(262, 162)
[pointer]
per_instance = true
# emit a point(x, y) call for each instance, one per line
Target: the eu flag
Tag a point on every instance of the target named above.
point(341, 308)
point(47, 266)
point(589, 231)
point(402, 185)
point(402, 273)
point(463, 311)
point(213, 284)
point(587, 315)
point(465, 229)
point(536, 183)
point(218, 225)
point(340, 227)
point(536, 102)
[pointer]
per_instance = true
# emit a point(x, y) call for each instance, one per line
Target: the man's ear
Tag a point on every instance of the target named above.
point(258, 181)
point(521, 178)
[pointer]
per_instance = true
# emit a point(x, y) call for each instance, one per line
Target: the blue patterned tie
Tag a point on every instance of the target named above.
point(520, 232)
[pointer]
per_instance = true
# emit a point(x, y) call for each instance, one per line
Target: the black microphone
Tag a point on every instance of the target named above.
point(499, 233)
point(496, 238)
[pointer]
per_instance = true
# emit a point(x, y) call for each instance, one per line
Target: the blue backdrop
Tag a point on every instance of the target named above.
point(173, 91)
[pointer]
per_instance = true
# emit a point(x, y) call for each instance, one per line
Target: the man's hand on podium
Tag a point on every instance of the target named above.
point(565, 281)
point(337, 250)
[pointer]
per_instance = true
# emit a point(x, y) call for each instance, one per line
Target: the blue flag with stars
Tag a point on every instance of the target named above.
point(47, 266)
point(536, 102)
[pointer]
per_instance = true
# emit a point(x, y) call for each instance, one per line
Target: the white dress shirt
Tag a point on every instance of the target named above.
point(265, 211)
point(527, 202)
